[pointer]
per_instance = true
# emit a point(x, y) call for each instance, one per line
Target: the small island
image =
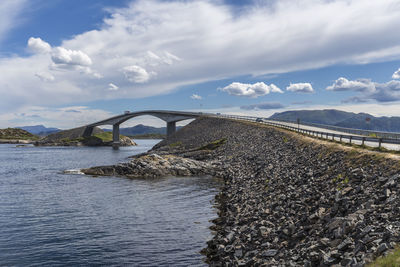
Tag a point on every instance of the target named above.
point(16, 136)
point(74, 137)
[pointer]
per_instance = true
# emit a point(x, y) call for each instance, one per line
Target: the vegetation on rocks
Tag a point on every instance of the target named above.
point(16, 134)
point(148, 136)
point(392, 259)
point(213, 145)
point(74, 137)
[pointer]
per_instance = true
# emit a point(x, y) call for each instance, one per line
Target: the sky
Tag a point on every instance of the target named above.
point(67, 63)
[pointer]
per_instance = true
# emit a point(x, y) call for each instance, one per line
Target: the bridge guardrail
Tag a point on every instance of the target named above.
point(388, 139)
point(371, 133)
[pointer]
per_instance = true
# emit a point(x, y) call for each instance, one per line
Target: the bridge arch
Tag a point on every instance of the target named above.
point(170, 117)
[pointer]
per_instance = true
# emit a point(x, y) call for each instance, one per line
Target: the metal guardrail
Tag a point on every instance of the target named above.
point(370, 133)
point(363, 138)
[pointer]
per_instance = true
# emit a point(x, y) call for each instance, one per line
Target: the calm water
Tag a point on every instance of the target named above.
point(50, 218)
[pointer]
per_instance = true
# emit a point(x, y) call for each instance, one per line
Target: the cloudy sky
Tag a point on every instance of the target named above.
point(65, 63)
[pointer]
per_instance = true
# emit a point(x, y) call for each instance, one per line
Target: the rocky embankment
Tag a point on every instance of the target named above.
point(74, 137)
point(286, 200)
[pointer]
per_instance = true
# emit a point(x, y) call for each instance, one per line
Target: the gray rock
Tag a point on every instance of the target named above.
point(270, 253)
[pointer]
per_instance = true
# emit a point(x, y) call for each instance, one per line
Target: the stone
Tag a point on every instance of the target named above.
point(270, 253)
point(382, 248)
point(238, 253)
point(344, 245)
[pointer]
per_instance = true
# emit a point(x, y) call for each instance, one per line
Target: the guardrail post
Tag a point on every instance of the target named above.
point(350, 139)
point(341, 136)
point(333, 137)
point(380, 142)
point(363, 141)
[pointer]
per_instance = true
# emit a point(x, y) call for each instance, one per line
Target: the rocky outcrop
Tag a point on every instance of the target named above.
point(286, 200)
point(153, 166)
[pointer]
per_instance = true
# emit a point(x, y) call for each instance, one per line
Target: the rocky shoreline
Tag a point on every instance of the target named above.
point(16, 141)
point(89, 141)
point(285, 200)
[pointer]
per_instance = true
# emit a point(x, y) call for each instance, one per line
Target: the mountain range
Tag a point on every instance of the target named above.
point(142, 129)
point(339, 118)
point(128, 131)
point(40, 130)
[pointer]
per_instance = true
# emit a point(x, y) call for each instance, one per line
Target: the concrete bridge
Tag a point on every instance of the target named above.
point(170, 117)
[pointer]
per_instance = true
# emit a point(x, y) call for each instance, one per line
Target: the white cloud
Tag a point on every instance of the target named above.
point(396, 74)
point(62, 56)
point(368, 90)
point(170, 58)
point(37, 45)
point(64, 118)
point(197, 41)
point(136, 74)
point(300, 88)
point(263, 106)
point(112, 87)
point(45, 76)
point(9, 15)
point(342, 84)
point(196, 97)
point(250, 90)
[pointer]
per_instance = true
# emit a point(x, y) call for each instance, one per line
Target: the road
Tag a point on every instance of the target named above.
point(347, 140)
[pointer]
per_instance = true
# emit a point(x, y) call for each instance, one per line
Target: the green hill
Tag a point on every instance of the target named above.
point(74, 137)
point(16, 134)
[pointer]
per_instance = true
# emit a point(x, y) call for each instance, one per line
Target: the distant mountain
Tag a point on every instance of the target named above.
point(326, 116)
point(339, 118)
point(39, 130)
point(142, 129)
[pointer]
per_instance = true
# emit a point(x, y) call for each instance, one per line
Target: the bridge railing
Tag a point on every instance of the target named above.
point(362, 137)
point(371, 133)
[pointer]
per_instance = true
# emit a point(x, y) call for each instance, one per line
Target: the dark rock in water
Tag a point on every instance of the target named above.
point(152, 166)
point(285, 200)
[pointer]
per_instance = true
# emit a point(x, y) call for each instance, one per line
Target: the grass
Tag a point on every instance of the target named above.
point(17, 134)
point(175, 144)
point(390, 260)
point(148, 136)
point(19, 137)
point(213, 145)
point(341, 181)
point(266, 184)
point(105, 136)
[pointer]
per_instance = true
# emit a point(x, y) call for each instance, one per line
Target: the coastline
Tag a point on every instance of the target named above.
point(16, 141)
point(286, 200)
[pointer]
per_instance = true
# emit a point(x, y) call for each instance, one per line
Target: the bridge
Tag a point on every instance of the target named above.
point(170, 117)
point(347, 135)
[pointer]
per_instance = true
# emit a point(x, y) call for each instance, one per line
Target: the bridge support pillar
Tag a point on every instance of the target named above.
point(171, 128)
point(88, 131)
point(115, 143)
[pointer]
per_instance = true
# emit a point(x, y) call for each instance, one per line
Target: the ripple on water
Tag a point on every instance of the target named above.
point(51, 218)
